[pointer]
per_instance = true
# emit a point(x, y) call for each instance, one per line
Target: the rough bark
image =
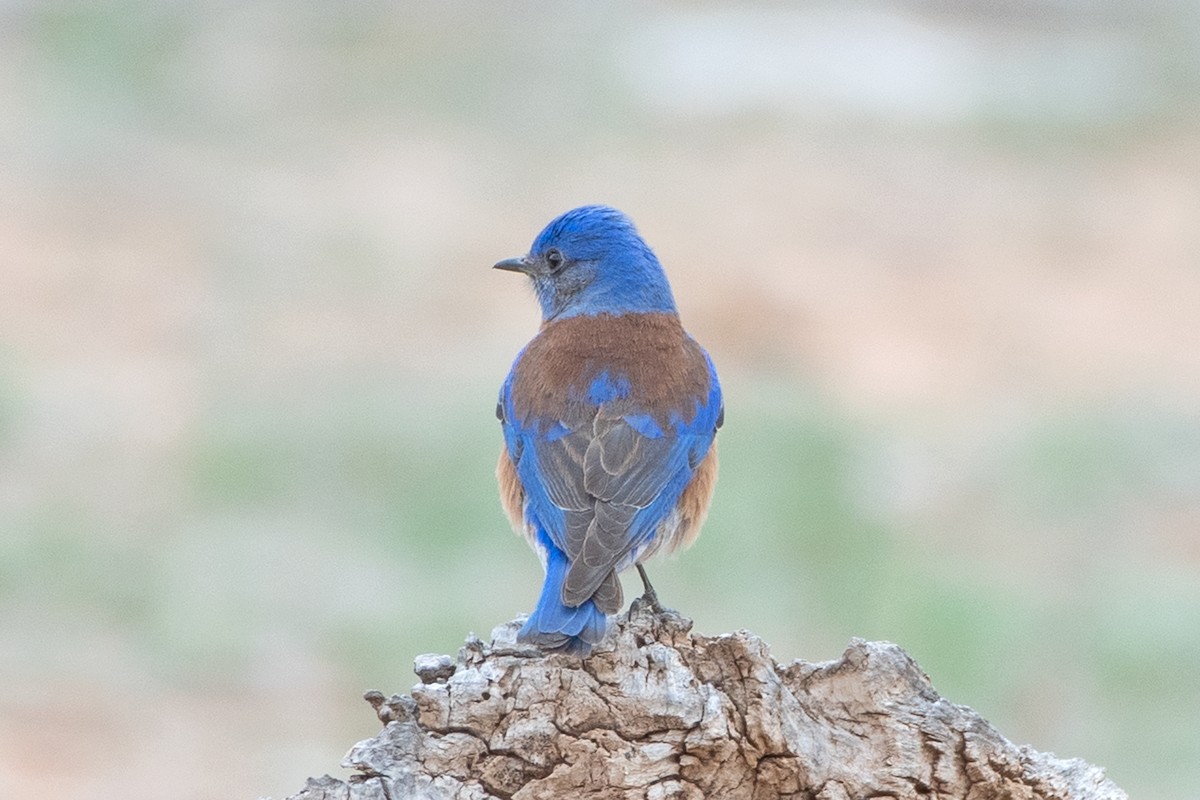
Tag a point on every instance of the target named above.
point(656, 712)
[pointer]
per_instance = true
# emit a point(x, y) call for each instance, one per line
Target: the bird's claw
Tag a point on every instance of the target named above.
point(648, 601)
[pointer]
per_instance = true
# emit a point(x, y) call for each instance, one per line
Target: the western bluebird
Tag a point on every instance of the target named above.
point(609, 416)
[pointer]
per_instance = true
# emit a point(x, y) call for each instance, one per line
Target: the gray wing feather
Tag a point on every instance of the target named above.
point(561, 465)
point(601, 475)
point(622, 473)
point(608, 596)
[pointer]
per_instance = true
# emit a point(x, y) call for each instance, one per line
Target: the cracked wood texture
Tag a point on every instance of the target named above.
point(657, 712)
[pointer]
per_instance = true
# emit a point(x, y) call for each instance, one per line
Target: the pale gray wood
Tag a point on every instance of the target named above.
point(657, 712)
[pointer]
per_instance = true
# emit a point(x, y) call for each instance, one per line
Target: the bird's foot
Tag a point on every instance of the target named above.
point(649, 599)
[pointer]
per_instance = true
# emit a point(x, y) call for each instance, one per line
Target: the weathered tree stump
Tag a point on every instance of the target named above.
point(656, 712)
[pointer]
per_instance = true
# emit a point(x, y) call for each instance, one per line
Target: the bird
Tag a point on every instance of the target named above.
point(609, 416)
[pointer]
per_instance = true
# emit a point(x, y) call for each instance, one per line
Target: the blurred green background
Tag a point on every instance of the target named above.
point(945, 255)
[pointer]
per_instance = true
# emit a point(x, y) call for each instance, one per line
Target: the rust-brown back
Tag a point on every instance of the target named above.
point(665, 369)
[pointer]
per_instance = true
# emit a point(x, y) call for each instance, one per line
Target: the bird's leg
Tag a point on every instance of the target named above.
point(649, 597)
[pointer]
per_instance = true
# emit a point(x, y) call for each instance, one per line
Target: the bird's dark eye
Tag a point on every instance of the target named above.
point(554, 259)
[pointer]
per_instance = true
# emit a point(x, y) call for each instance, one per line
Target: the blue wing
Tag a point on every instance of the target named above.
point(601, 476)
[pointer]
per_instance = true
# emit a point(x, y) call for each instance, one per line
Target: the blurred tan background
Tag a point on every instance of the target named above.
point(946, 256)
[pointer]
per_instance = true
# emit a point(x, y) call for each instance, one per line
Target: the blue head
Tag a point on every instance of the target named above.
point(591, 260)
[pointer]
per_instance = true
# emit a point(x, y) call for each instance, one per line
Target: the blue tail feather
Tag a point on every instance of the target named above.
point(559, 627)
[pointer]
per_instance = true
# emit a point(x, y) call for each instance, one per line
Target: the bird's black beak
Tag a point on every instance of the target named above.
point(514, 264)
